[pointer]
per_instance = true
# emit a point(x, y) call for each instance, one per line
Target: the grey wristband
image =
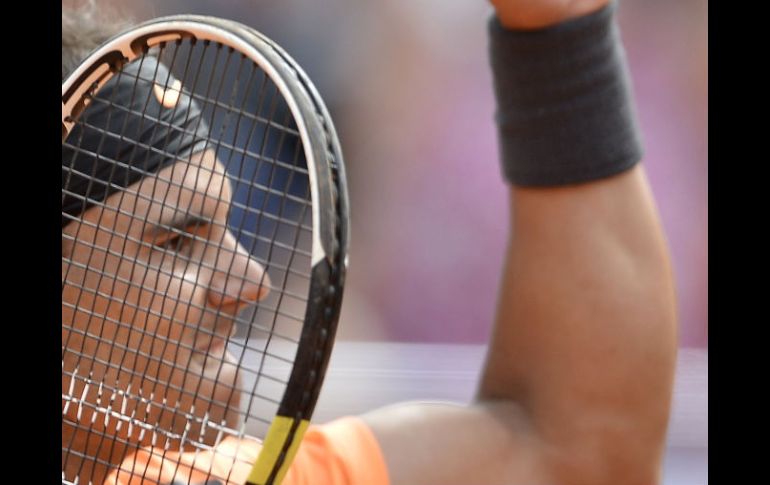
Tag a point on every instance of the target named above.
point(564, 105)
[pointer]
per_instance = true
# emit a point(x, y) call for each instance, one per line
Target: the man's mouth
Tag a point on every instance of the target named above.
point(211, 347)
point(214, 347)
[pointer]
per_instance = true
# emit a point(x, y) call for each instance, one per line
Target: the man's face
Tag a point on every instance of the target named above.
point(151, 285)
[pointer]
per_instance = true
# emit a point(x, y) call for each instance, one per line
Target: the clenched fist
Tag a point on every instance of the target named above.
point(535, 14)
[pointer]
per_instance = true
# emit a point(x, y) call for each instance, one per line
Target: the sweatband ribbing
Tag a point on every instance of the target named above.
point(565, 111)
point(126, 134)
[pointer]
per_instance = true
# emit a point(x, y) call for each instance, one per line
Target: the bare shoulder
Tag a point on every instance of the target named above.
point(447, 443)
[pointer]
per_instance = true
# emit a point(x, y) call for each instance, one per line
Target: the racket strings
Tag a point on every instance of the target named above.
point(288, 128)
point(270, 190)
point(139, 430)
point(287, 268)
point(259, 144)
point(139, 398)
point(255, 335)
point(303, 226)
point(66, 343)
point(277, 312)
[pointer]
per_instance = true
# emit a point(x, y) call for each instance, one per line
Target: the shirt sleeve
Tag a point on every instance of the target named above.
point(343, 452)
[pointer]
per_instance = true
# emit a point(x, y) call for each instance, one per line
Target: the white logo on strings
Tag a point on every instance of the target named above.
point(168, 97)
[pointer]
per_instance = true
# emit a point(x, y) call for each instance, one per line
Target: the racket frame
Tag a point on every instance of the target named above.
point(328, 189)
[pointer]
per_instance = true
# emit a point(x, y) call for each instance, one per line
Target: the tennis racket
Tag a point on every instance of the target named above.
point(204, 252)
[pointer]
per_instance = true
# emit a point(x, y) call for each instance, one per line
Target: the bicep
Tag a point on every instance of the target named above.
point(586, 334)
point(441, 443)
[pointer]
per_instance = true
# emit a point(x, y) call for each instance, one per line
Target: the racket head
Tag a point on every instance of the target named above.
point(323, 231)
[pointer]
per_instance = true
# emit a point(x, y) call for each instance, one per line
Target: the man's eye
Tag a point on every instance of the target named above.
point(175, 242)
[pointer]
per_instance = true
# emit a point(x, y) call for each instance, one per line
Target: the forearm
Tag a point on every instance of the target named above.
point(585, 337)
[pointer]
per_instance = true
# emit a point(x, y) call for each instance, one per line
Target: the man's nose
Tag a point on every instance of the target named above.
point(237, 279)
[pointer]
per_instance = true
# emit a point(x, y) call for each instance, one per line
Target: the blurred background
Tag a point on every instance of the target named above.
point(408, 85)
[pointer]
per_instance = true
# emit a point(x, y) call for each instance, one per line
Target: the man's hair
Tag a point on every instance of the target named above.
point(83, 29)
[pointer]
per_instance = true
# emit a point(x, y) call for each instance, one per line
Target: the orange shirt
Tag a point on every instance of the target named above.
point(343, 452)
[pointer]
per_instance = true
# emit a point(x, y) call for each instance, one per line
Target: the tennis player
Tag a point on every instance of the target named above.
point(577, 383)
point(132, 277)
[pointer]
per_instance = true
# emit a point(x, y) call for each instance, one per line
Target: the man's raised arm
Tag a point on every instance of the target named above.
point(577, 384)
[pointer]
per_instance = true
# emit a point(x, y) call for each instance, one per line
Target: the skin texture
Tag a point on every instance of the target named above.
point(578, 379)
point(154, 310)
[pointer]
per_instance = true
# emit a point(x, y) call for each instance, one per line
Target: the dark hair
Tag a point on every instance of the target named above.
point(83, 29)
